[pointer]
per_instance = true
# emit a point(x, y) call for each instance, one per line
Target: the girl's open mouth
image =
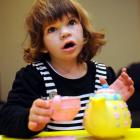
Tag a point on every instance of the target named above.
point(69, 45)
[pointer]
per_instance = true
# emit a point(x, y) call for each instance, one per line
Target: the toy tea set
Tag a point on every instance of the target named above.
point(106, 115)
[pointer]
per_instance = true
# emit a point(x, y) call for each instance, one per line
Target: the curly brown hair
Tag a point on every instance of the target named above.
point(48, 11)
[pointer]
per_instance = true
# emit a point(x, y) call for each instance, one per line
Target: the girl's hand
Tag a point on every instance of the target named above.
point(39, 115)
point(123, 83)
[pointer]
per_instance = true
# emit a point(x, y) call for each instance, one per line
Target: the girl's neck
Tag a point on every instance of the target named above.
point(70, 70)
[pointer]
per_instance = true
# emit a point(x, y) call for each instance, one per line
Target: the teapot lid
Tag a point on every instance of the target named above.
point(107, 93)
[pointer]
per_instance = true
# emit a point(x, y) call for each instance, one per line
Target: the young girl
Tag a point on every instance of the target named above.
point(62, 44)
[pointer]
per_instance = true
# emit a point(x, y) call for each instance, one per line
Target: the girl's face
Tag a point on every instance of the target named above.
point(63, 39)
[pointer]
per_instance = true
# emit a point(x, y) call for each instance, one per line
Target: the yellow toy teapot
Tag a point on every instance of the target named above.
point(107, 115)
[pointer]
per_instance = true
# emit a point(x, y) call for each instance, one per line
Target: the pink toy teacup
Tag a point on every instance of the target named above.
point(65, 108)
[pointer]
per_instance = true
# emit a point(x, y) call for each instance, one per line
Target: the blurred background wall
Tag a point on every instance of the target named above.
point(119, 19)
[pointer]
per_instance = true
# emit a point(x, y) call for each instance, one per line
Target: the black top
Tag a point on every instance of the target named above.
point(29, 85)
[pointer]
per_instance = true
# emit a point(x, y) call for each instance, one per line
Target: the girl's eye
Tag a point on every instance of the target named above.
point(72, 22)
point(51, 29)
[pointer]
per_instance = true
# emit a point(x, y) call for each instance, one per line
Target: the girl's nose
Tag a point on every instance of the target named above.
point(64, 33)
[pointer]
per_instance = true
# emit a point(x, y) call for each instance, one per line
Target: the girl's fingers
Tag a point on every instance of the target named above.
point(32, 125)
point(39, 119)
point(41, 108)
point(131, 89)
point(124, 69)
point(42, 103)
point(41, 111)
point(40, 114)
point(124, 76)
point(130, 81)
point(126, 79)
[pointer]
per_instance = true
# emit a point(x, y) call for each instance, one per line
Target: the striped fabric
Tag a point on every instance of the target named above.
point(77, 123)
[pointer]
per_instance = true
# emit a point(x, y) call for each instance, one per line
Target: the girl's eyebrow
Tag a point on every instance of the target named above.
point(47, 24)
point(71, 16)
